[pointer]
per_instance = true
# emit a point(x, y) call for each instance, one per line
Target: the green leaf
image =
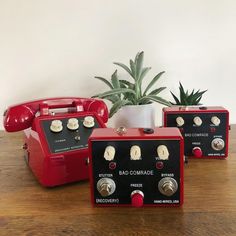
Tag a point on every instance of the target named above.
point(122, 85)
point(144, 72)
point(154, 80)
point(114, 92)
point(198, 100)
point(129, 84)
point(139, 64)
point(133, 68)
point(112, 98)
point(191, 98)
point(186, 98)
point(126, 68)
point(136, 57)
point(129, 96)
point(198, 94)
point(185, 102)
point(137, 92)
point(141, 77)
point(105, 81)
point(148, 98)
point(114, 80)
point(156, 91)
point(176, 99)
point(182, 95)
point(117, 105)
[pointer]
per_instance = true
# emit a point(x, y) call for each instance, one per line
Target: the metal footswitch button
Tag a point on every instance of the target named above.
point(106, 187)
point(168, 186)
point(218, 144)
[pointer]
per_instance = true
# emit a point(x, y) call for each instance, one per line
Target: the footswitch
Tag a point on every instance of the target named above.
point(136, 167)
point(205, 129)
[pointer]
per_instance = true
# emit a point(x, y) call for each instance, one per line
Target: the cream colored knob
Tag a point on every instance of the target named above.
point(179, 121)
point(109, 153)
point(73, 124)
point(215, 120)
point(88, 122)
point(162, 152)
point(135, 153)
point(56, 126)
point(197, 121)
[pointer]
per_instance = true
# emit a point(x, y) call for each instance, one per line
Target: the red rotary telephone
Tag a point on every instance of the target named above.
point(56, 135)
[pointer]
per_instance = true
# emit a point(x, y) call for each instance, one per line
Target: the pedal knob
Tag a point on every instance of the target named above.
point(56, 126)
point(162, 152)
point(137, 198)
point(109, 153)
point(88, 122)
point(179, 121)
point(197, 121)
point(215, 120)
point(197, 152)
point(73, 124)
point(135, 153)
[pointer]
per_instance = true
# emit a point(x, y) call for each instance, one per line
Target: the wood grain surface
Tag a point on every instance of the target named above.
point(26, 208)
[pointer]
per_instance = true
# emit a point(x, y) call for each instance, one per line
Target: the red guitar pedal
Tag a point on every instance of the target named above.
point(56, 135)
point(205, 129)
point(136, 167)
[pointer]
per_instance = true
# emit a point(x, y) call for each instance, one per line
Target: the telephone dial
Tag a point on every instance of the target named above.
point(56, 133)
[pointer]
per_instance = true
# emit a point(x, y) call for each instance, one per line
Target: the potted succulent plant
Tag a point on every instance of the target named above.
point(132, 104)
point(187, 99)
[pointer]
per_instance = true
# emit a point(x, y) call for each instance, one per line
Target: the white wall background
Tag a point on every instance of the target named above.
point(55, 47)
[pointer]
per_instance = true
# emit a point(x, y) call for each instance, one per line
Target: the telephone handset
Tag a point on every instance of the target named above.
point(21, 116)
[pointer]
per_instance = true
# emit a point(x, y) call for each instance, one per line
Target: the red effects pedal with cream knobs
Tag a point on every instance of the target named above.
point(56, 134)
point(136, 167)
point(205, 129)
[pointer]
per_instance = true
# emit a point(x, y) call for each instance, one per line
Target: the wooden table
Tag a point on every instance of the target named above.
point(26, 208)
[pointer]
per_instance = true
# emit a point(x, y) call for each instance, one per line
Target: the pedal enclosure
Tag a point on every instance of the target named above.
point(204, 136)
point(59, 158)
point(136, 176)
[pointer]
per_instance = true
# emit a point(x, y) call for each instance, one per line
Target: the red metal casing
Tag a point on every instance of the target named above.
point(110, 134)
point(198, 111)
point(53, 169)
point(20, 116)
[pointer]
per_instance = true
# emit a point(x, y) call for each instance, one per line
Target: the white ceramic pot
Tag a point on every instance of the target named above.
point(135, 116)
